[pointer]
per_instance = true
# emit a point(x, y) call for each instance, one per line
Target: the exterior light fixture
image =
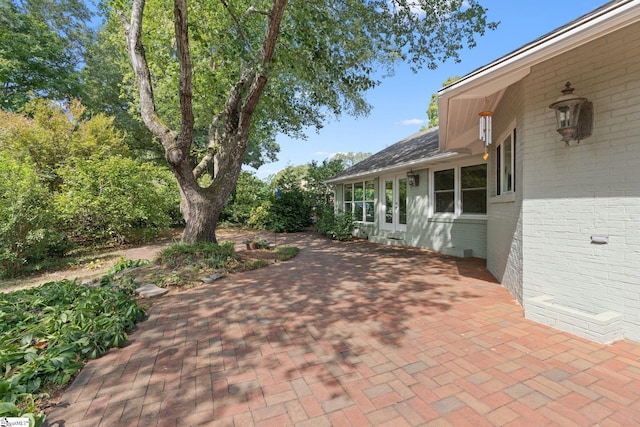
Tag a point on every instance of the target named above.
point(413, 179)
point(574, 115)
point(485, 130)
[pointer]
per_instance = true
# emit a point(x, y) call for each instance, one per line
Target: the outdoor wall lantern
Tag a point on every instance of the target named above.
point(574, 115)
point(413, 179)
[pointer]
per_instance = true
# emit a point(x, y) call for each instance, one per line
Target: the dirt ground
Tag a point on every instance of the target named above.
point(97, 265)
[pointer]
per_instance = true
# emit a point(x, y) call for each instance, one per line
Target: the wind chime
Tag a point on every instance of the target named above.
point(485, 130)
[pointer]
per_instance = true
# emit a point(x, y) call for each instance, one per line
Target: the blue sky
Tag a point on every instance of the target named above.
point(400, 102)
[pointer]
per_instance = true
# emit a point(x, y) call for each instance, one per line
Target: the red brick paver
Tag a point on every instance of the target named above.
point(353, 334)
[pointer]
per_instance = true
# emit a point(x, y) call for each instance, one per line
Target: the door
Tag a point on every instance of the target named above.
point(394, 203)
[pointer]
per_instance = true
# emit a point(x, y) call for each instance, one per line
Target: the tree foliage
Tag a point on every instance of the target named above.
point(42, 45)
point(104, 91)
point(319, 194)
point(432, 110)
point(350, 158)
point(52, 137)
point(249, 193)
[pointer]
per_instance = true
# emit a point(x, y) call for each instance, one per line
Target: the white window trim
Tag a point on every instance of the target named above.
point(353, 201)
point(507, 196)
point(457, 193)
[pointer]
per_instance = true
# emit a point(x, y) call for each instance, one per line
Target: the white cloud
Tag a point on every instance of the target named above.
point(412, 122)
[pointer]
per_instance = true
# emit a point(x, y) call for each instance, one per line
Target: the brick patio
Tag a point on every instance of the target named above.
point(353, 334)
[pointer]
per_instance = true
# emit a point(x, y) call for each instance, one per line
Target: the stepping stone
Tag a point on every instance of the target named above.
point(212, 278)
point(150, 291)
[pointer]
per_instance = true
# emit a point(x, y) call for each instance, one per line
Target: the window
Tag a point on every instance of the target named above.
point(402, 201)
point(348, 197)
point(359, 200)
point(505, 164)
point(473, 187)
point(369, 201)
point(460, 190)
point(444, 190)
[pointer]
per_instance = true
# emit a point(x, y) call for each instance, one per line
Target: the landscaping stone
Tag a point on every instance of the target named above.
point(150, 291)
point(212, 278)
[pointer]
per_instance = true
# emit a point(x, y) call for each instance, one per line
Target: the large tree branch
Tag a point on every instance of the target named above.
point(241, 104)
point(137, 57)
point(266, 56)
point(186, 95)
point(214, 135)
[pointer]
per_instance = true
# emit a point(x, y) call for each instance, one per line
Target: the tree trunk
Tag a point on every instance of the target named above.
point(201, 218)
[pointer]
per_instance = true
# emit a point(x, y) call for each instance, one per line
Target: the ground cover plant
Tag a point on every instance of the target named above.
point(48, 333)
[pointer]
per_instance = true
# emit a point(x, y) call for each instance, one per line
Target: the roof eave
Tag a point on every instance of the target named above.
point(511, 68)
point(422, 163)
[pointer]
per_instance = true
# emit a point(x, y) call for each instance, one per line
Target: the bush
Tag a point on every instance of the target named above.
point(284, 214)
point(250, 192)
point(25, 217)
point(260, 217)
point(338, 226)
point(109, 199)
point(289, 212)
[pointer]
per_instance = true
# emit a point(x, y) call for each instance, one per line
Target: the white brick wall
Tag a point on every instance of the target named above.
point(504, 226)
point(571, 193)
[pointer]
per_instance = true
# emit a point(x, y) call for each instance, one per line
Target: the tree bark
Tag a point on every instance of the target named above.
point(201, 219)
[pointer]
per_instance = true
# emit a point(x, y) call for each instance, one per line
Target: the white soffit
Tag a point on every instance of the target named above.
point(458, 99)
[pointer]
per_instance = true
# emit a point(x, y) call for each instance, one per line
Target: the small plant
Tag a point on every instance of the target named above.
point(284, 253)
point(202, 255)
point(257, 243)
point(255, 264)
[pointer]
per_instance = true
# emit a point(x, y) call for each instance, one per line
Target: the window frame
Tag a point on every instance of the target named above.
point(448, 190)
point(475, 189)
point(499, 171)
point(353, 203)
point(457, 198)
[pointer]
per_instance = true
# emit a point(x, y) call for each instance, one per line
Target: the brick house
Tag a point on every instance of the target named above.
point(558, 221)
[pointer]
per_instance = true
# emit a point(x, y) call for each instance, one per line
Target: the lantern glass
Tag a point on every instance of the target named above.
point(567, 115)
point(567, 109)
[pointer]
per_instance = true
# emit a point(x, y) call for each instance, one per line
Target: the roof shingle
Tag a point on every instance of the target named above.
point(415, 148)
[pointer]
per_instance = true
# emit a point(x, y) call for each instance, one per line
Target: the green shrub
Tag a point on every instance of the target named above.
point(110, 199)
point(289, 212)
point(260, 217)
point(284, 253)
point(250, 192)
point(25, 217)
point(338, 226)
point(285, 213)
